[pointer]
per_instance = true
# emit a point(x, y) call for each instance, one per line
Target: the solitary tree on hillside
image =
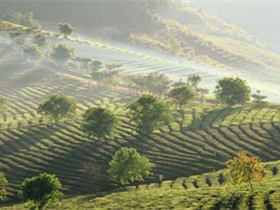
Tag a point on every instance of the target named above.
point(194, 80)
point(259, 99)
point(3, 103)
point(149, 113)
point(181, 95)
point(41, 191)
point(245, 169)
point(100, 123)
point(154, 82)
point(232, 91)
point(58, 108)
point(3, 186)
point(127, 166)
point(202, 92)
point(62, 52)
point(65, 29)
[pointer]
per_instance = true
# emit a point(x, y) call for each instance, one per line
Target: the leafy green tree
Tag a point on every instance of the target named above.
point(41, 191)
point(202, 92)
point(62, 52)
point(259, 99)
point(3, 186)
point(232, 91)
point(181, 95)
point(33, 51)
point(245, 169)
point(100, 123)
point(193, 80)
point(3, 103)
point(149, 113)
point(154, 82)
point(127, 166)
point(58, 108)
point(65, 28)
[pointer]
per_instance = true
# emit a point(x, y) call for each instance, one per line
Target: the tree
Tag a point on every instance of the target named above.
point(181, 95)
point(3, 103)
point(149, 113)
point(41, 191)
point(202, 92)
point(33, 52)
point(127, 166)
point(193, 80)
point(259, 99)
point(62, 52)
point(232, 91)
point(58, 108)
point(3, 186)
point(99, 122)
point(154, 82)
point(65, 28)
point(245, 169)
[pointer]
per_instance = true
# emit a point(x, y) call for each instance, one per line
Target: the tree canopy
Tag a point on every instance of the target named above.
point(58, 108)
point(232, 91)
point(154, 82)
point(181, 95)
point(99, 122)
point(62, 52)
point(127, 166)
point(41, 191)
point(149, 113)
point(245, 169)
point(65, 28)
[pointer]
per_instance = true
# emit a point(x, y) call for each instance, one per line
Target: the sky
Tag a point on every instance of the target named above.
point(259, 17)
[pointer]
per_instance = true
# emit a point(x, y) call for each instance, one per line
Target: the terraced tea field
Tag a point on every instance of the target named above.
point(206, 191)
point(200, 140)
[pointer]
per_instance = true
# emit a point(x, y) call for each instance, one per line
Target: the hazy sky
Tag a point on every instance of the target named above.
point(259, 17)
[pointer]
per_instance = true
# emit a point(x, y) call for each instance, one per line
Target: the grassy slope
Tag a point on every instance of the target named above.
point(206, 191)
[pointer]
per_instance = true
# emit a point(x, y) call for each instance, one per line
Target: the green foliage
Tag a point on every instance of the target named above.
point(33, 51)
point(232, 91)
point(194, 80)
point(3, 186)
point(58, 108)
point(245, 169)
point(62, 52)
point(181, 95)
point(259, 100)
point(127, 166)
point(99, 122)
point(3, 103)
point(149, 113)
point(41, 191)
point(154, 82)
point(65, 28)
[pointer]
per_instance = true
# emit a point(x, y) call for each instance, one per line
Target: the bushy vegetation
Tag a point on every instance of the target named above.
point(41, 191)
point(149, 113)
point(100, 123)
point(58, 108)
point(128, 166)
